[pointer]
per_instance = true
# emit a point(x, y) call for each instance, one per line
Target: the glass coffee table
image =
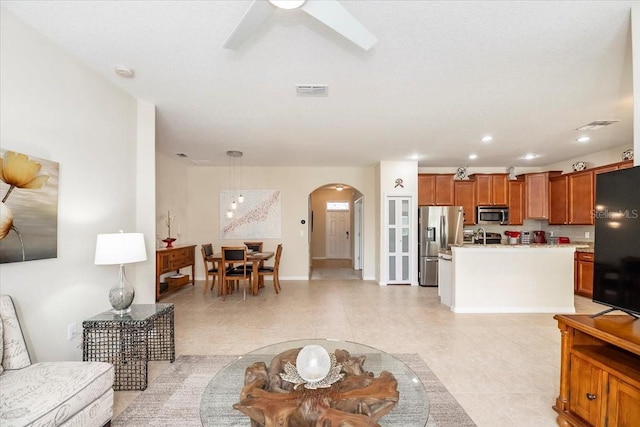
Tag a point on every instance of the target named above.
point(216, 406)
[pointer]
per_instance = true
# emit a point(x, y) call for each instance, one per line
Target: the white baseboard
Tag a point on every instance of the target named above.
point(515, 310)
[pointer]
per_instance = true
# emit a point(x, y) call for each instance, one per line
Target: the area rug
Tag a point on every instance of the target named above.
point(173, 399)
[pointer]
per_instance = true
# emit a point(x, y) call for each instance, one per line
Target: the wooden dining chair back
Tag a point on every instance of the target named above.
point(273, 271)
point(210, 268)
point(234, 269)
point(254, 246)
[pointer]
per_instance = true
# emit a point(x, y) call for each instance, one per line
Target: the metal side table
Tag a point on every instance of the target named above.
point(130, 341)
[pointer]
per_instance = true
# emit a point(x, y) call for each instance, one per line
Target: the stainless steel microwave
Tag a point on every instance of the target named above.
point(498, 215)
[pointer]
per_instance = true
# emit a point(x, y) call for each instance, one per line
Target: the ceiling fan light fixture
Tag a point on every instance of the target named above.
point(287, 4)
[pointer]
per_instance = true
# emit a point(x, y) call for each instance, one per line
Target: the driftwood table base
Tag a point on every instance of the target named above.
point(358, 400)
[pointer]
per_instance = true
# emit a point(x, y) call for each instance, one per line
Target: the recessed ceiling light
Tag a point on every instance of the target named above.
point(529, 156)
point(415, 157)
point(473, 156)
point(123, 71)
point(583, 139)
point(487, 138)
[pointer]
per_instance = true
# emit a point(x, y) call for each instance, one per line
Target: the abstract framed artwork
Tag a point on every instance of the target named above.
point(29, 207)
point(257, 217)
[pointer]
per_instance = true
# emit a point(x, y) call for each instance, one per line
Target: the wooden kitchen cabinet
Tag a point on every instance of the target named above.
point(537, 194)
point(558, 199)
point(599, 371)
point(516, 202)
point(172, 260)
point(571, 199)
point(435, 190)
point(491, 189)
point(584, 274)
point(581, 201)
point(465, 196)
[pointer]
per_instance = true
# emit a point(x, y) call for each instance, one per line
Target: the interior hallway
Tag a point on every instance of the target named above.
point(502, 368)
point(334, 269)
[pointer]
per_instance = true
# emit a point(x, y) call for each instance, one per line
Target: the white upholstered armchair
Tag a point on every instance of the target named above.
point(49, 393)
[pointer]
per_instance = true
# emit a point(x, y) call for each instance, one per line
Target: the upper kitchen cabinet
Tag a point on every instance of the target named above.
point(537, 194)
point(491, 189)
point(516, 202)
point(465, 196)
point(435, 190)
point(571, 199)
point(581, 202)
point(558, 196)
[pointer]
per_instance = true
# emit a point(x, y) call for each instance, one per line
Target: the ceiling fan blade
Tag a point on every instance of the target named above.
point(334, 15)
point(258, 12)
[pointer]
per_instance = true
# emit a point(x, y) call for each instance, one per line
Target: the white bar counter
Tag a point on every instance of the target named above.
point(510, 279)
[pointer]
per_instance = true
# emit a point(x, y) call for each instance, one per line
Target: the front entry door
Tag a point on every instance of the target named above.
point(338, 234)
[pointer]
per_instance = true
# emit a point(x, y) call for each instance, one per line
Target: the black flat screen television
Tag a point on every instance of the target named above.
point(617, 241)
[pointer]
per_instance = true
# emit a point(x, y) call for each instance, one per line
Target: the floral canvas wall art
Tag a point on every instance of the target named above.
point(28, 208)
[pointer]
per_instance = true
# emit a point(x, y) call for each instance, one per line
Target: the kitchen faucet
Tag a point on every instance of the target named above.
point(484, 235)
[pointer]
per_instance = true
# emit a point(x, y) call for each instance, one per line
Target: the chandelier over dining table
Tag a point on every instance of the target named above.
point(235, 155)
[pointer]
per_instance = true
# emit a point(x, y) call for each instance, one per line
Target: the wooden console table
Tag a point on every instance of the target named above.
point(172, 260)
point(599, 371)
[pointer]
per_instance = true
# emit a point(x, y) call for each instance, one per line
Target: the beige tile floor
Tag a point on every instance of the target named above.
point(502, 368)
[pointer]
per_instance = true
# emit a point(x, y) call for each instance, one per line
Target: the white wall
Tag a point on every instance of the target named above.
point(55, 108)
point(296, 184)
point(390, 172)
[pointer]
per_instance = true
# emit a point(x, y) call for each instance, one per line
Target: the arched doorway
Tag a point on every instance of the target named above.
point(335, 233)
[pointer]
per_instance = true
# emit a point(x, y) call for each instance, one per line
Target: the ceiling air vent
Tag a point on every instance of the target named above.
point(312, 90)
point(597, 125)
point(203, 162)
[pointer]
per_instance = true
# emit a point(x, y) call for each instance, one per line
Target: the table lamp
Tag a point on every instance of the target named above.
point(120, 248)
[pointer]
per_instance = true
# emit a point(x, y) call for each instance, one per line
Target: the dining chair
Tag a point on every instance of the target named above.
point(210, 271)
point(232, 255)
point(254, 246)
point(273, 271)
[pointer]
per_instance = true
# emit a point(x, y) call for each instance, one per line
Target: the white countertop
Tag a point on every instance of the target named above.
point(531, 246)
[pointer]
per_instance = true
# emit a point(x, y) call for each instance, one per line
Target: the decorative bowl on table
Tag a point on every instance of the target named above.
point(169, 241)
point(579, 166)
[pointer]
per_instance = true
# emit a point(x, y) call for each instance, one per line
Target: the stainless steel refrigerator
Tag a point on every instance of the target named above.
point(439, 228)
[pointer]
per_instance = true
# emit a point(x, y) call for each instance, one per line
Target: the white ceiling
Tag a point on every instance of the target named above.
point(441, 76)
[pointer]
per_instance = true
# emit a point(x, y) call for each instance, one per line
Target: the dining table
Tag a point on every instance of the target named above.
point(255, 258)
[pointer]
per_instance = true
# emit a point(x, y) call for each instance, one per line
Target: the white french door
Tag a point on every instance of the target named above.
point(398, 239)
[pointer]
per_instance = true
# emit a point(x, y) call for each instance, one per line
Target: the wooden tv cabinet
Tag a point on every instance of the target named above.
point(599, 371)
point(172, 260)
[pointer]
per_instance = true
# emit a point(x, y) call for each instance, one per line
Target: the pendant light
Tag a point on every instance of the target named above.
point(234, 154)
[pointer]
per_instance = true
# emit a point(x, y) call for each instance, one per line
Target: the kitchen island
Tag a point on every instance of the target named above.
point(508, 279)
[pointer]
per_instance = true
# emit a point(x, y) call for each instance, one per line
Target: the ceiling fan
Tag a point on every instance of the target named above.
point(329, 12)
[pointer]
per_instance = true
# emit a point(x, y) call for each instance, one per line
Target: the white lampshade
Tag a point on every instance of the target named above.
point(120, 248)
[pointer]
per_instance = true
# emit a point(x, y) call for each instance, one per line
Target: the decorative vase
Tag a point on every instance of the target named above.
point(169, 241)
